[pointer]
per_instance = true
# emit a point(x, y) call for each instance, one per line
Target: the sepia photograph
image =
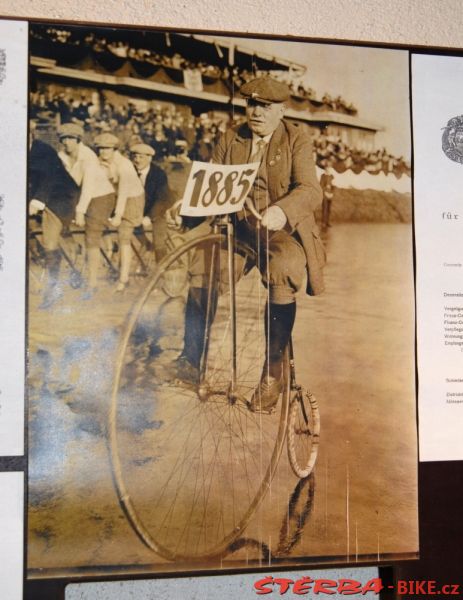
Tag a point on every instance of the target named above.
point(221, 323)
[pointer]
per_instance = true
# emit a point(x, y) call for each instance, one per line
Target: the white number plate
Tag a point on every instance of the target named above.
point(214, 189)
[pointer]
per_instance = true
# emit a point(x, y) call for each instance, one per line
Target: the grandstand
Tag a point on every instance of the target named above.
point(192, 70)
point(178, 91)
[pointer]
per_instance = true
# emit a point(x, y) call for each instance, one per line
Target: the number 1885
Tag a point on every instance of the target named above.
point(219, 190)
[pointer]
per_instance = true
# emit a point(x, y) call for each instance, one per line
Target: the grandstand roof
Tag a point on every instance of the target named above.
point(245, 58)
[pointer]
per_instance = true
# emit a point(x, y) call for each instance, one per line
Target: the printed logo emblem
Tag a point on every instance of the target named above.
point(452, 139)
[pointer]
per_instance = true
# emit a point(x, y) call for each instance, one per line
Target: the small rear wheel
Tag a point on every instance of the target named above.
point(303, 433)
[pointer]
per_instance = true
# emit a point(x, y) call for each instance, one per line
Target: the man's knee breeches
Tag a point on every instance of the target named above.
point(133, 217)
point(284, 268)
point(96, 219)
point(160, 236)
point(52, 227)
point(282, 265)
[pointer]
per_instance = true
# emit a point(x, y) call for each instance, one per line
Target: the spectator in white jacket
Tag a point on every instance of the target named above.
point(130, 199)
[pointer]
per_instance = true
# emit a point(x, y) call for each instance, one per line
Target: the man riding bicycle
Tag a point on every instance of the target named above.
point(285, 195)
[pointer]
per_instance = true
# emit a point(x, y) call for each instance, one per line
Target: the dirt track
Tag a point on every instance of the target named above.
point(354, 349)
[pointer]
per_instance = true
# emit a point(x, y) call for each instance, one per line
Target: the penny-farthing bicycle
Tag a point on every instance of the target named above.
point(192, 463)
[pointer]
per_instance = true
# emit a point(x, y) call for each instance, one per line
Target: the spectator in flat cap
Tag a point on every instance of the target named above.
point(141, 149)
point(53, 191)
point(130, 199)
point(106, 140)
point(158, 196)
point(70, 130)
point(76, 157)
point(284, 196)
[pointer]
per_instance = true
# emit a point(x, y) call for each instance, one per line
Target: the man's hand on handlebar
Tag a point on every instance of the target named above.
point(79, 219)
point(172, 216)
point(116, 220)
point(35, 206)
point(274, 218)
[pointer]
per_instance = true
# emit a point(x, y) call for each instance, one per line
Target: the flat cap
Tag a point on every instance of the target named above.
point(71, 130)
point(141, 149)
point(106, 140)
point(265, 89)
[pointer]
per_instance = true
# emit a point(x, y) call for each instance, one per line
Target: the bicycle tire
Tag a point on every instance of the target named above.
point(303, 433)
point(202, 454)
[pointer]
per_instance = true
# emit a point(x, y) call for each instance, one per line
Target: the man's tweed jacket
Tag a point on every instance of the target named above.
point(292, 185)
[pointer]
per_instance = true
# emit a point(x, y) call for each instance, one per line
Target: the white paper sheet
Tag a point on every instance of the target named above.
point(437, 91)
point(13, 148)
point(11, 538)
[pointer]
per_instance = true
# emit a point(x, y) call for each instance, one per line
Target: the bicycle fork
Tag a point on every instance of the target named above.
point(294, 386)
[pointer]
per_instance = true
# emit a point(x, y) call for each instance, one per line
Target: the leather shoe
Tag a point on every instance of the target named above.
point(121, 287)
point(51, 296)
point(181, 369)
point(265, 396)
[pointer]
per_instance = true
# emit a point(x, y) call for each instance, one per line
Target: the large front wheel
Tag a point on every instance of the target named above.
point(191, 463)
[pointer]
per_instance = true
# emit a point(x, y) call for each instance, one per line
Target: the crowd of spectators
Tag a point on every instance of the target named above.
point(173, 134)
point(179, 136)
point(331, 151)
point(124, 50)
point(298, 87)
point(237, 76)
